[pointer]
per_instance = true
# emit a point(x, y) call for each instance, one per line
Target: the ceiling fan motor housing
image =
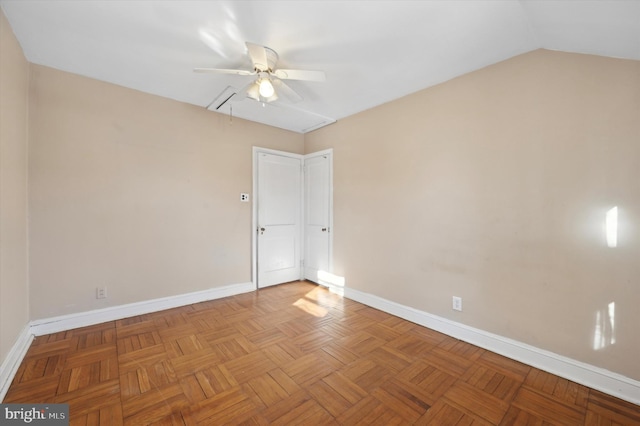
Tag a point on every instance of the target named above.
point(272, 60)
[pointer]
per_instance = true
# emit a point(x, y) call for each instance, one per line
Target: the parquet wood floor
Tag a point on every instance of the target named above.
point(293, 354)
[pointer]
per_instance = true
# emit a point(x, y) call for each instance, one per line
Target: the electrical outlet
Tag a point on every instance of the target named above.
point(457, 303)
point(244, 197)
point(101, 293)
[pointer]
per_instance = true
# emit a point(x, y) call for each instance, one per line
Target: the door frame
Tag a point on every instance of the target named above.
point(254, 209)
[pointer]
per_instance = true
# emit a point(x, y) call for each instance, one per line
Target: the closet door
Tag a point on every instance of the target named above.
point(317, 231)
point(279, 218)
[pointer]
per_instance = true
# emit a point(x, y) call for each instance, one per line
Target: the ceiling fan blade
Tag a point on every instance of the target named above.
point(271, 98)
point(258, 56)
point(286, 91)
point(223, 71)
point(306, 75)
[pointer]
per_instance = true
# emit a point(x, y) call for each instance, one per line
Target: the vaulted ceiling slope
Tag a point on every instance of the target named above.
point(371, 51)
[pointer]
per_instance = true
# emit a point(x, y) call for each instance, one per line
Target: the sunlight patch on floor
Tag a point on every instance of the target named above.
point(310, 308)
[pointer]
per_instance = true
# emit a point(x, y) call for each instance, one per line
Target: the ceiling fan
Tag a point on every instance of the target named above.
point(268, 83)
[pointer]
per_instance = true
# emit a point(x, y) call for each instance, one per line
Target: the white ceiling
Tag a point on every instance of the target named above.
point(371, 51)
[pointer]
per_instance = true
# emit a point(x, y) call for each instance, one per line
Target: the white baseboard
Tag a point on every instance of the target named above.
point(588, 375)
point(12, 362)
point(84, 319)
point(579, 372)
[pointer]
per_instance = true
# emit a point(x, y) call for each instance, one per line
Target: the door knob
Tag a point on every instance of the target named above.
point(324, 229)
point(262, 231)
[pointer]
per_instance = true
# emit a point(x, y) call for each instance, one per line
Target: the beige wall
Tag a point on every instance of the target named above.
point(136, 193)
point(14, 288)
point(494, 187)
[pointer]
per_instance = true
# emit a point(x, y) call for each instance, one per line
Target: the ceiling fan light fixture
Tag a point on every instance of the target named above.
point(266, 88)
point(267, 84)
point(253, 92)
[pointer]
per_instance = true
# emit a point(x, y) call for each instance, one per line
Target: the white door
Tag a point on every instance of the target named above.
point(317, 195)
point(279, 208)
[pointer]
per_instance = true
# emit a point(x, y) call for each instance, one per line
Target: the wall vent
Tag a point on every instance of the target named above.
point(224, 97)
